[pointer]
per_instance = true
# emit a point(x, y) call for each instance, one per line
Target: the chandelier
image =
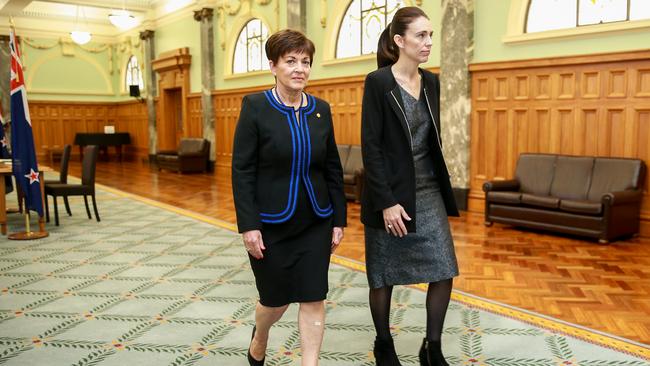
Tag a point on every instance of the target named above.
point(78, 36)
point(122, 19)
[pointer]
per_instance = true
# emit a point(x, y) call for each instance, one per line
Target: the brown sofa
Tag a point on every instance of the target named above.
point(597, 197)
point(192, 156)
point(352, 164)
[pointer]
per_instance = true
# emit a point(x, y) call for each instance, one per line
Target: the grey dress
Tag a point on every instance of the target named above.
point(428, 254)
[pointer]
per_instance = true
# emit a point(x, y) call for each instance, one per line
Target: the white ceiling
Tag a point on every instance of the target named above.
point(40, 18)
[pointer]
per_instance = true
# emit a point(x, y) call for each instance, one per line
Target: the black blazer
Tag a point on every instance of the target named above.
point(273, 154)
point(386, 148)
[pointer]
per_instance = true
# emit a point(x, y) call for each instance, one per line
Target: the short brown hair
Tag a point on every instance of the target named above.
point(288, 40)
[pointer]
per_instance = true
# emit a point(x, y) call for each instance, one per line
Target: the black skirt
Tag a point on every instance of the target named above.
point(296, 259)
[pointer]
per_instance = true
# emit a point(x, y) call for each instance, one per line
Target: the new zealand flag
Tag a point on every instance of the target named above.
point(22, 140)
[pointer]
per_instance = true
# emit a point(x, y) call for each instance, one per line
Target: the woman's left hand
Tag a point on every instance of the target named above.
point(337, 236)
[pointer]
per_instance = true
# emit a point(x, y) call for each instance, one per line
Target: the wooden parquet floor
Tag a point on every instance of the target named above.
point(601, 287)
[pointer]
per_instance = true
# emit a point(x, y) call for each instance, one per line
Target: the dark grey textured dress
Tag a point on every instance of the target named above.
point(428, 254)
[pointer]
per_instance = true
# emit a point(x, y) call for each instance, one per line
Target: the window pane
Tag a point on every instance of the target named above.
point(362, 25)
point(374, 22)
point(239, 62)
point(602, 11)
point(639, 9)
point(254, 55)
point(133, 74)
point(254, 28)
point(349, 40)
point(546, 15)
point(392, 7)
point(249, 49)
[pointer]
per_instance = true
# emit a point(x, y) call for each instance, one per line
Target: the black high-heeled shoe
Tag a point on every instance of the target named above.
point(431, 354)
point(251, 360)
point(384, 352)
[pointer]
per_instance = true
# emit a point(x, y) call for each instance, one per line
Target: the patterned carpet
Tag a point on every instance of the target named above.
point(151, 285)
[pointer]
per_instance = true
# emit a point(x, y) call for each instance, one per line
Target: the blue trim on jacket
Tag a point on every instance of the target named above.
point(301, 145)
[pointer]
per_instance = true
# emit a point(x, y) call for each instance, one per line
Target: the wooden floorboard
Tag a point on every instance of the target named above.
point(605, 287)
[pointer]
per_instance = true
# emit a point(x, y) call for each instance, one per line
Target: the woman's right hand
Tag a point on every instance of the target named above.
point(253, 243)
point(393, 220)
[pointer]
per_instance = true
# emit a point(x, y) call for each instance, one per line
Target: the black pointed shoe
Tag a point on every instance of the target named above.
point(251, 360)
point(431, 354)
point(384, 352)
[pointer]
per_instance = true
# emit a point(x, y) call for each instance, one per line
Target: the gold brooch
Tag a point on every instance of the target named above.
point(317, 115)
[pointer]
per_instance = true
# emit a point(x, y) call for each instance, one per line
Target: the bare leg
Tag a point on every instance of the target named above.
point(311, 320)
point(265, 317)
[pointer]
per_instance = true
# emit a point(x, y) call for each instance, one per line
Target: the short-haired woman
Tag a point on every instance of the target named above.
point(407, 194)
point(287, 184)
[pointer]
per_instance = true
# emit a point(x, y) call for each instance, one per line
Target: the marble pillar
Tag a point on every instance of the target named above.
point(457, 37)
point(297, 15)
point(147, 37)
point(205, 17)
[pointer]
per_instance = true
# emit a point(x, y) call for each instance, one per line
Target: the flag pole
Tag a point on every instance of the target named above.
point(28, 234)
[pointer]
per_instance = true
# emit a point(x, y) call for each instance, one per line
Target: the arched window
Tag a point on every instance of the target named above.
point(546, 15)
point(249, 50)
point(362, 24)
point(133, 73)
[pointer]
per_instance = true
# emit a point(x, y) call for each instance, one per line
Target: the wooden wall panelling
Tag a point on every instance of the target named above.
point(344, 95)
point(586, 105)
point(55, 123)
point(195, 117)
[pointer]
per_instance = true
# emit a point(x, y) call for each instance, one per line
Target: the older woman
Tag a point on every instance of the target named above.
point(288, 189)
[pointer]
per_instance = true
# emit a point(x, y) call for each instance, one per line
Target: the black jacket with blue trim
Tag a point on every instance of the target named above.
point(273, 154)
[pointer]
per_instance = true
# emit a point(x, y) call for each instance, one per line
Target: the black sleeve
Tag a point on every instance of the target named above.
point(437, 101)
point(244, 169)
point(372, 121)
point(334, 178)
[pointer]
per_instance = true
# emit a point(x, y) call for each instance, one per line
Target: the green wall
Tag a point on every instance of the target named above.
point(232, 28)
point(56, 70)
point(318, 35)
point(82, 76)
point(184, 32)
point(491, 20)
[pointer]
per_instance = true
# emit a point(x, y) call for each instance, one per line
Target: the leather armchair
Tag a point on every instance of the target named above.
point(352, 163)
point(192, 156)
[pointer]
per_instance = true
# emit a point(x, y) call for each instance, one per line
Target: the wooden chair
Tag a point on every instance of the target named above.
point(63, 174)
point(85, 189)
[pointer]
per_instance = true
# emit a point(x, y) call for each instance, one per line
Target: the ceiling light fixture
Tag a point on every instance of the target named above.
point(78, 36)
point(122, 18)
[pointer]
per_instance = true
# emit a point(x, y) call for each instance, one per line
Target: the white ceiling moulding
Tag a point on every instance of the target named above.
point(54, 19)
point(140, 6)
point(55, 28)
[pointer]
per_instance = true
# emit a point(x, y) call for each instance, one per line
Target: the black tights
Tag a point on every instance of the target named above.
point(438, 297)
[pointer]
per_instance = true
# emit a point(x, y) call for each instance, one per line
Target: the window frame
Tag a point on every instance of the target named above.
point(126, 74)
point(263, 41)
point(340, 25)
point(518, 16)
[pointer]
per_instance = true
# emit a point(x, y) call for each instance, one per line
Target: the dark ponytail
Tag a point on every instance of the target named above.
point(387, 50)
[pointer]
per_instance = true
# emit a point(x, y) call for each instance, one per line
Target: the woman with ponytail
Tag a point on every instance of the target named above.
point(407, 193)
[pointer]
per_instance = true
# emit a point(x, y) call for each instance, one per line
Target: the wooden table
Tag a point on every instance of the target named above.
point(103, 140)
point(5, 169)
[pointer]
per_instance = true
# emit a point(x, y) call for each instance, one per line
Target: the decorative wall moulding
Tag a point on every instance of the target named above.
point(176, 59)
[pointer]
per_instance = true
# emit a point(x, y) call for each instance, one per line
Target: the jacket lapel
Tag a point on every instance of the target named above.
point(395, 101)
